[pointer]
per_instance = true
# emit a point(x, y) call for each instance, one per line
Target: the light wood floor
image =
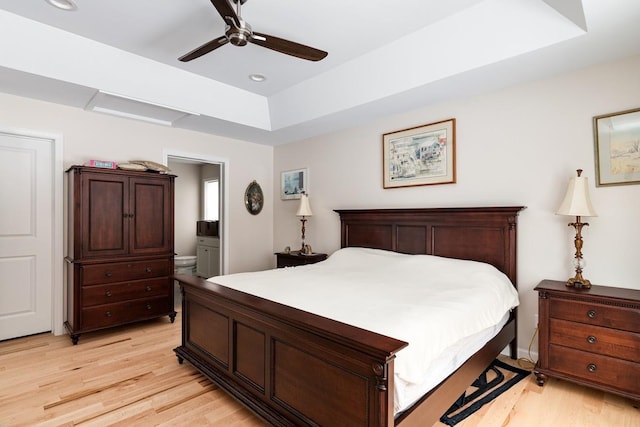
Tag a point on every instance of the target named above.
point(130, 376)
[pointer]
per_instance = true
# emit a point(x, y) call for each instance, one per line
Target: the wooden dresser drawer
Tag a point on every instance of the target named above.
point(114, 314)
point(608, 371)
point(625, 318)
point(121, 271)
point(117, 292)
point(595, 339)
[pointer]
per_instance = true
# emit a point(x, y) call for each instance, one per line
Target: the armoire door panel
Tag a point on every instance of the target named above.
point(105, 223)
point(150, 207)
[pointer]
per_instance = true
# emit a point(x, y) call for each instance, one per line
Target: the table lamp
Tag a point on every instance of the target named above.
point(304, 210)
point(578, 203)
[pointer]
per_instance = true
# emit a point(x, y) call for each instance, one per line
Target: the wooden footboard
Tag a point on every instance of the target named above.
point(288, 366)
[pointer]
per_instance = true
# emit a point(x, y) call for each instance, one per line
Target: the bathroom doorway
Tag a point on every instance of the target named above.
point(196, 175)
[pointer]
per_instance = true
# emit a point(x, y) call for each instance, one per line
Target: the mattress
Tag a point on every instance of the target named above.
point(406, 393)
point(446, 309)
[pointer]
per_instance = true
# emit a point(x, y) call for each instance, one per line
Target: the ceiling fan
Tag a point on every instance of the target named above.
point(239, 33)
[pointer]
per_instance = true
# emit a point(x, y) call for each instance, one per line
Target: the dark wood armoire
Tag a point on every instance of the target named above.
point(120, 248)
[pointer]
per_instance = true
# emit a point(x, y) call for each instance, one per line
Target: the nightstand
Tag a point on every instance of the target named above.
point(294, 258)
point(590, 337)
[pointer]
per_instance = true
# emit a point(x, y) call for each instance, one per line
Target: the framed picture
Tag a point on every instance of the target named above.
point(422, 155)
point(294, 183)
point(253, 198)
point(617, 140)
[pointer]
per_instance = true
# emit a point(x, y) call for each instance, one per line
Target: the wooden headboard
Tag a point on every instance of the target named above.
point(486, 234)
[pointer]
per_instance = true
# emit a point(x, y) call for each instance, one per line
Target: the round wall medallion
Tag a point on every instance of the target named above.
point(253, 198)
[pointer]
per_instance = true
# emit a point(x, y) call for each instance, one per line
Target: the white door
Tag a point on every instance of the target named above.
point(26, 235)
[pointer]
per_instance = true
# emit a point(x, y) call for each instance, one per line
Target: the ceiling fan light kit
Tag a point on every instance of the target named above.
point(239, 33)
point(239, 36)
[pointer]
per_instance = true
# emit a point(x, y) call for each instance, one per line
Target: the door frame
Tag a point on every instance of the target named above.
point(224, 191)
point(57, 224)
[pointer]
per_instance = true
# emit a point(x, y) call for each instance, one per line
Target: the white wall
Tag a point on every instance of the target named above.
point(187, 206)
point(89, 135)
point(517, 146)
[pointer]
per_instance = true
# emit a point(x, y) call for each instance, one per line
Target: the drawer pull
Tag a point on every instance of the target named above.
point(591, 367)
point(148, 306)
point(148, 288)
point(591, 314)
point(148, 269)
point(108, 273)
point(107, 294)
point(591, 339)
point(108, 314)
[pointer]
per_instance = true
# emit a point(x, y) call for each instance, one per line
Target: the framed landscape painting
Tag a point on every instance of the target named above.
point(294, 183)
point(617, 144)
point(422, 155)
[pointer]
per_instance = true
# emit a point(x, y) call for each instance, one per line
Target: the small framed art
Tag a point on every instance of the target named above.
point(294, 183)
point(253, 198)
point(422, 155)
point(617, 145)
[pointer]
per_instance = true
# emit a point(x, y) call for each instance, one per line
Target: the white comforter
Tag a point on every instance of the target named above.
point(430, 302)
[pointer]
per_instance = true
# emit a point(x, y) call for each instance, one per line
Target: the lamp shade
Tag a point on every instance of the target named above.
point(304, 209)
point(577, 201)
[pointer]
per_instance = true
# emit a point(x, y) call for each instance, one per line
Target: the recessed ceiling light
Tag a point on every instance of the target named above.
point(63, 4)
point(257, 77)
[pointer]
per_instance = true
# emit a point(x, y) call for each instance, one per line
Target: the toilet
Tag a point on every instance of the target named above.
point(184, 264)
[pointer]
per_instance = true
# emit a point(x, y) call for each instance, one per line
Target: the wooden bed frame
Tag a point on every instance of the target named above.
point(295, 368)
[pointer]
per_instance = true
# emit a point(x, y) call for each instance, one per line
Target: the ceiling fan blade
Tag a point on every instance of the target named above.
point(225, 10)
point(288, 47)
point(204, 49)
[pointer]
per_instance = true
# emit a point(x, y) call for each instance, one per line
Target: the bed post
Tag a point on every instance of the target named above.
point(513, 276)
point(384, 386)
